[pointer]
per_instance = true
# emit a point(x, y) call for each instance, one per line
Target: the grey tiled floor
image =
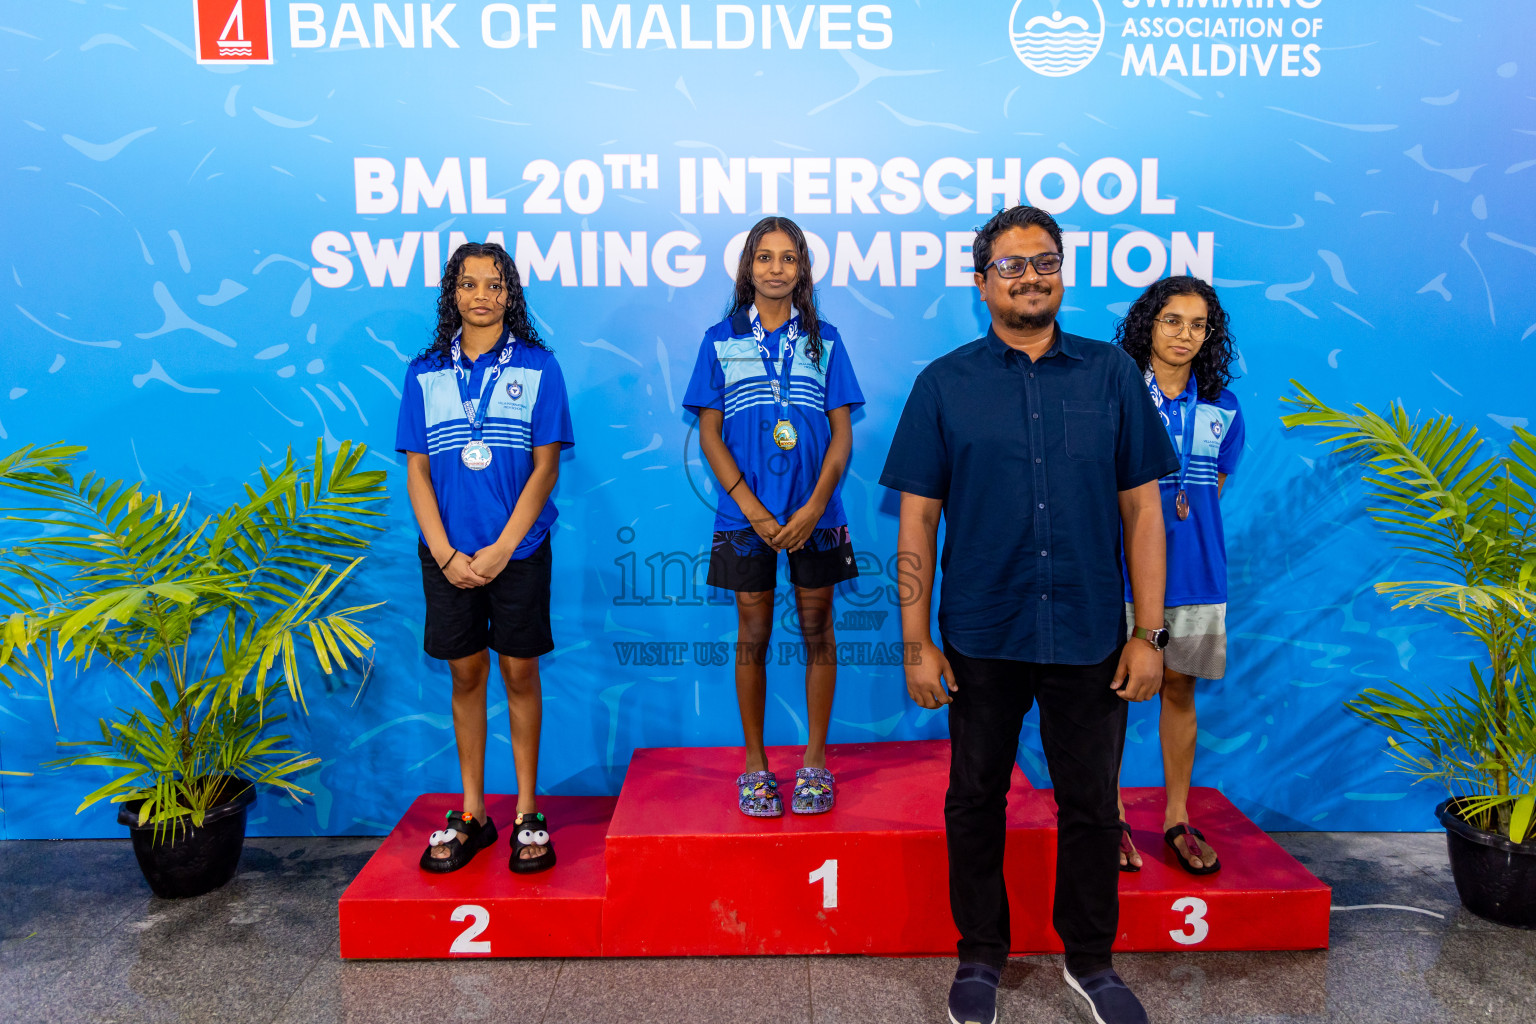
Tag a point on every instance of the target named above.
point(82, 940)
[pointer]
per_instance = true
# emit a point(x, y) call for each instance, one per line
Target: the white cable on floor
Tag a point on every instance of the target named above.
point(1388, 906)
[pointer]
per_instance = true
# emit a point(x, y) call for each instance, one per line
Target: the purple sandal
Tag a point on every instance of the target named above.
point(813, 791)
point(757, 794)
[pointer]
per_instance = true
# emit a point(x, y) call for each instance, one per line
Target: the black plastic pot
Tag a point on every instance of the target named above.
point(1495, 878)
point(187, 861)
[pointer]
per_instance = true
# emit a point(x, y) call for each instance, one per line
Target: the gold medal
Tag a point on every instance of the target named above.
point(784, 434)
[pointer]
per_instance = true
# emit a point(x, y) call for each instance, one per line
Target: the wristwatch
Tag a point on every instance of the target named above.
point(1158, 637)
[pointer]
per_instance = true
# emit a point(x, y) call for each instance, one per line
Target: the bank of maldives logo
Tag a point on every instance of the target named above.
point(1056, 38)
point(233, 31)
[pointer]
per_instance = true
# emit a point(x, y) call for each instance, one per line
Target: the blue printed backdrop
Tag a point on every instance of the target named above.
point(1371, 230)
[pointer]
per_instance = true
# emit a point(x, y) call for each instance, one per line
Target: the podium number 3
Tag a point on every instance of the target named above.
point(1196, 927)
point(467, 942)
point(827, 876)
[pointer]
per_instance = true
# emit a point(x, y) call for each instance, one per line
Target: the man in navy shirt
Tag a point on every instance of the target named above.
point(1040, 449)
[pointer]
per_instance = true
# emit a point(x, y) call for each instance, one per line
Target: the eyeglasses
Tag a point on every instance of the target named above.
point(1046, 264)
point(1173, 327)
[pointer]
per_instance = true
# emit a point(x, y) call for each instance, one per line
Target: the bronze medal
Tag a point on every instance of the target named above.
point(1181, 505)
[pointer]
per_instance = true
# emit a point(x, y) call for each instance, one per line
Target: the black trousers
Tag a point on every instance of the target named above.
point(1082, 728)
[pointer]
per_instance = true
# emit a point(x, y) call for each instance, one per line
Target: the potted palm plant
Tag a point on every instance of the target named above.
point(1471, 517)
point(210, 620)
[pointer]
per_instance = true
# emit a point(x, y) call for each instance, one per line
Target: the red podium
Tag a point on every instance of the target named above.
point(671, 868)
point(870, 876)
point(394, 910)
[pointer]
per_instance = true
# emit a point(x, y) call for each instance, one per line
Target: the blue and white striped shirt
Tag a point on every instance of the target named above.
point(528, 408)
point(1197, 547)
point(729, 376)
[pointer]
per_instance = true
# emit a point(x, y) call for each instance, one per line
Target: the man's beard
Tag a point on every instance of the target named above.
point(1028, 321)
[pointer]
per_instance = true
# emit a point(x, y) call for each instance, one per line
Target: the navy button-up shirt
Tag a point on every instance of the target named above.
point(1029, 459)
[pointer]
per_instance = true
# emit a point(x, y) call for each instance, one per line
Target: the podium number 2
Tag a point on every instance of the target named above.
point(1197, 926)
point(467, 942)
point(827, 876)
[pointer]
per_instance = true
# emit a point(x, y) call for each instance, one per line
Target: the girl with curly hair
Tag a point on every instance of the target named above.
point(774, 393)
point(1180, 337)
point(483, 419)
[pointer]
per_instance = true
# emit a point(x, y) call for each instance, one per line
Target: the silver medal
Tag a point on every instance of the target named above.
point(475, 455)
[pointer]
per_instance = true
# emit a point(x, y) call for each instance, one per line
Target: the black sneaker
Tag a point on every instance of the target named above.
point(1109, 1000)
point(973, 995)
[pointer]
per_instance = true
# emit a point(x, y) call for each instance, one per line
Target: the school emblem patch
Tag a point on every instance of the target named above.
point(515, 390)
point(1215, 429)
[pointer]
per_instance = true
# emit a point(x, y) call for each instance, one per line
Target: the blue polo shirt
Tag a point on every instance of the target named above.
point(1197, 546)
point(729, 375)
point(528, 408)
point(1029, 459)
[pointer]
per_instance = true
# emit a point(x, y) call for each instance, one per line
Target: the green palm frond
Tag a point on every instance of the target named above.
point(300, 519)
point(1472, 516)
point(194, 610)
point(1421, 478)
point(39, 470)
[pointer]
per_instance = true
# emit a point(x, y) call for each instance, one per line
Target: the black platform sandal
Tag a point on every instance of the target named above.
point(1127, 849)
point(531, 829)
point(1190, 832)
point(460, 851)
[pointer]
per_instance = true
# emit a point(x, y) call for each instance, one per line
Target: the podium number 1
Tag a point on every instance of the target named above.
point(479, 919)
point(827, 876)
point(1193, 909)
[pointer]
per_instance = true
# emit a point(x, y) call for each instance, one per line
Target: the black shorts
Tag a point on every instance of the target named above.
point(740, 560)
point(510, 614)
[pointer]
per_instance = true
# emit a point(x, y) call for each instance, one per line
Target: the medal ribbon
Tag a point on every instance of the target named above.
point(779, 383)
point(1187, 424)
point(487, 382)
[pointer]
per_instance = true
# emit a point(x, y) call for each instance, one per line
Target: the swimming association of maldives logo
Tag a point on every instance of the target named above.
point(233, 31)
point(1056, 38)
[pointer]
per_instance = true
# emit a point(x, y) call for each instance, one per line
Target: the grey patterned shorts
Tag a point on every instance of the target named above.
point(1197, 644)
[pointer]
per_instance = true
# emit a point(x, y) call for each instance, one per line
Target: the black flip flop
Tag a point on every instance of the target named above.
point(460, 851)
point(531, 829)
point(1182, 829)
point(1127, 847)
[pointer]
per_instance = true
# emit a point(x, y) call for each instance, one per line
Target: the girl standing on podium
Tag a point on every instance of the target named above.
point(483, 419)
point(1181, 340)
point(774, 393)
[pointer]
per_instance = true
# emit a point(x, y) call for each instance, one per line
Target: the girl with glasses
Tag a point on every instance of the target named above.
point(1179, 336)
